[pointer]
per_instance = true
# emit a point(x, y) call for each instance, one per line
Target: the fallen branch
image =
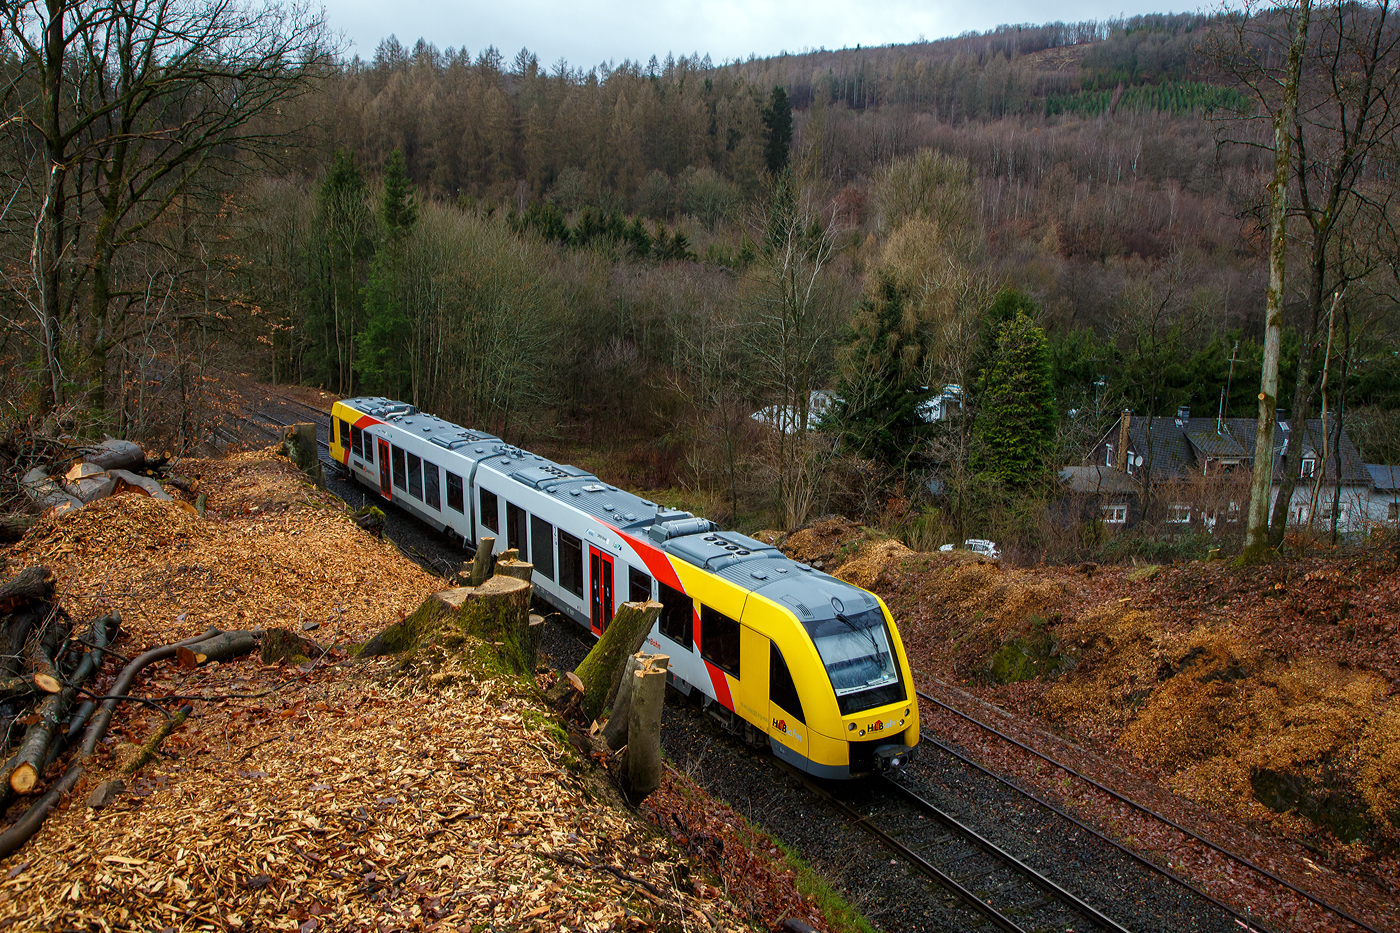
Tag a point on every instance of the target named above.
point(221, 647)
point(148, 751)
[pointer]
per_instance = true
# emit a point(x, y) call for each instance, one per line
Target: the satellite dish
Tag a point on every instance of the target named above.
point(1137, 461)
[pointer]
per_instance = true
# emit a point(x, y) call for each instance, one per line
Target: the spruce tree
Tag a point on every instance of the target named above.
point(384, 347)
point(881, 391)
point(1015, 425)
point(777, 122)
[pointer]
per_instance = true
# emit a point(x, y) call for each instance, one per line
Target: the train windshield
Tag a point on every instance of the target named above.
point(855, 648)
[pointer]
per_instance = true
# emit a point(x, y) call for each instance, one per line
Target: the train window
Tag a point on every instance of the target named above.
point(542, 546)
point(367, 447)
point(344, 433)
point(490, 514)
point(454, 492)
point(399, 471)
point(356, 439)
point(638, 585)
point(571, 563)
point(781, 689)
point(517, 529)
point(719, 640)
point(415, 476)
point(677, 615)
point(431, 477)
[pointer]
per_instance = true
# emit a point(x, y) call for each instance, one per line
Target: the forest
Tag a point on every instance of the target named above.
point(623, 264)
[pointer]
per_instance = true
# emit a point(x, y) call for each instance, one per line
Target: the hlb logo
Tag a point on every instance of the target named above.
point(876, 726)
point(780, 725)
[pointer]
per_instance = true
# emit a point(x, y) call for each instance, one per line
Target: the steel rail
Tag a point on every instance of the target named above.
point(1248, 922)
point(996, 851)
point(1143, 808)
point(998, 919)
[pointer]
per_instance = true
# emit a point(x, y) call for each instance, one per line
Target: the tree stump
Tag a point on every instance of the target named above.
point(648, 697)
point(601, 671)
point(482, 561)
point(497, 612)
point(300, 445)
point(279, 644)
point(519, 569)
point(615, 731)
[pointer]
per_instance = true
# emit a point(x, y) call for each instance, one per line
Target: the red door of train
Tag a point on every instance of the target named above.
point(601, 589)
point(384, 469)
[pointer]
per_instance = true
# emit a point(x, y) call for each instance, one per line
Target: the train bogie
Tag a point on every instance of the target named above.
point(811, 664)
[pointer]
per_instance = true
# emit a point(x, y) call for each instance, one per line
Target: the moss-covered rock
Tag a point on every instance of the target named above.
point(1026, 656)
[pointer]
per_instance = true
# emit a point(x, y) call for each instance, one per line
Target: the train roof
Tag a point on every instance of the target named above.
point(746, 562)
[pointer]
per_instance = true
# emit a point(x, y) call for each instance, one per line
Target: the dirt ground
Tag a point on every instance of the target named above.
point(1266, 693)
point(334, 794)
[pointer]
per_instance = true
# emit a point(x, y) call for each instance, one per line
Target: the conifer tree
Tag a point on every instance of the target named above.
point(881, 390)
point(383, 351)
point(1015, 426)
point(777, 123)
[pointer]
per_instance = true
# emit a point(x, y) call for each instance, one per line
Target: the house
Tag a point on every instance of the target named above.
point(1385, 493)
point(1197, 472)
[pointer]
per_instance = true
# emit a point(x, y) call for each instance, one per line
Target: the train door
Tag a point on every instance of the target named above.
point(384, 469)
point(600, 568)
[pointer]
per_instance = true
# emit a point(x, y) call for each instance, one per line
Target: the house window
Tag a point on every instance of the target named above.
point(454, 492)
point(1179, 514)
point(677, 615)
point(431, 478)
point(415, 476)
point(1108, 455)
point(490, 511)
point(1129, 461)
point(719, 640)
point(1308, 468)
point(571, 563)
point(1115, 514)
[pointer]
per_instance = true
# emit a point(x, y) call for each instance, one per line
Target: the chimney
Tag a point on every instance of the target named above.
point(1123, 438)
point(1183, 414)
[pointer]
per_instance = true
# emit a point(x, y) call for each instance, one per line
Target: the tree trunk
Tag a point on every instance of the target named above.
point(616, 728)
point(1257, 540)
point(43, 656)
point(497, 612)
point(221, 647)
point(644, 727)
point(31, 584)
point(601, 671)
point(14, 524)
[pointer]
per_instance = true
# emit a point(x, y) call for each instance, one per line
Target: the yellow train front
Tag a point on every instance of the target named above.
point(777, 651)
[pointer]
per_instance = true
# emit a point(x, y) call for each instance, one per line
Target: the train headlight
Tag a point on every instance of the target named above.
point(851, 727)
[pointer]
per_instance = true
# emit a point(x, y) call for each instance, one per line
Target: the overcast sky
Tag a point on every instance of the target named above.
point(589, 33)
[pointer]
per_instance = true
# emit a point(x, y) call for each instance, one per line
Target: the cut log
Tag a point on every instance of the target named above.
point(510, 553)
point(33, 584)
point(128, 481)
point(113, 454)
point(482, 561)
point(45, 493)
point(497, 612)
point(221, 647)
point(16, 685)
point(521, 570)
point(43, 653)
point(644, 728)
point(13, 525)
point(601, 671)
point(183, 483)
point(39, 746)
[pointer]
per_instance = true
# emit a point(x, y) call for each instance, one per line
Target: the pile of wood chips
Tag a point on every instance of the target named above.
point(334, 795)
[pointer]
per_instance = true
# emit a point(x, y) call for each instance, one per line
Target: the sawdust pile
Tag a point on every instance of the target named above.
point(825, 543)
point(347, 806)
point(273, 552)
point(868, 568)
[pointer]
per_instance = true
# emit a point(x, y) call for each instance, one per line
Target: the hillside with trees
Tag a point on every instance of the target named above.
point(625, 262)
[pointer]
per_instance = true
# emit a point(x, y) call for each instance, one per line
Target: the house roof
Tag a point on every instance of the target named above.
point(1097, 478)
point(1174, 446)
point(1385, 477)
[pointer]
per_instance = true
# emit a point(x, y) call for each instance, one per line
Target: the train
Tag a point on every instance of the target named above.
point(779, 652)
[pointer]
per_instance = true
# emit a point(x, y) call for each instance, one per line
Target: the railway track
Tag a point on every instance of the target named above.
point(1006, 891)
point(1187, 834)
